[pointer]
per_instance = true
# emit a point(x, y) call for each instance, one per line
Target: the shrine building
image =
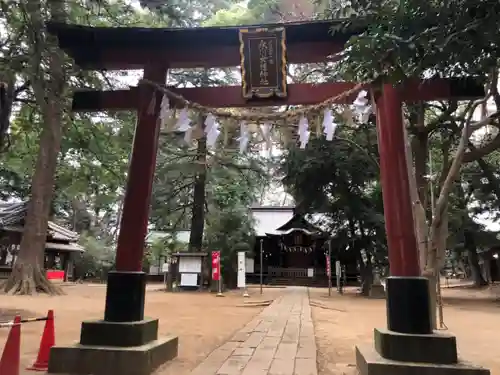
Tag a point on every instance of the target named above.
point(294, 250)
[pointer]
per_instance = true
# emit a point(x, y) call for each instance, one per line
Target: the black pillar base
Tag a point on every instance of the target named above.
point(122, 344)
point(408, 305)
point(125, 295)
point(410, 347)
point(123, 335)
point(437, 348)
point(111, 348)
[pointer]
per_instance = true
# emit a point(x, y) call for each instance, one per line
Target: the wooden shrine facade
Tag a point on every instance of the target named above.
point(294, 253)
point(61, 244)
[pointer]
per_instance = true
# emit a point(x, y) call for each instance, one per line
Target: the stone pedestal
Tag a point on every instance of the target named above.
point(377, 291)
point(434, 354)
point(82, 359)
point(409, 346)
point(124, 343)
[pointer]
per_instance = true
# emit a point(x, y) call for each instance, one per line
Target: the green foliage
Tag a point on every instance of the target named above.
point(163, 247)
point(339, 180)
point(236, 15)
point(94, 156)
point(396, 40)
point(97, 259)
point(411, 38)
point(234, 186)
point(228, 232)
point(255, 12)
point(187, 13)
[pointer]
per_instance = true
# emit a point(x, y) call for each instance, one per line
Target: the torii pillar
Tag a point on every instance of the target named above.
point(408, 346)
point(126, 343)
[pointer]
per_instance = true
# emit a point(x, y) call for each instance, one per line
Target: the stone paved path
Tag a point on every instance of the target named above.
point(279, 341)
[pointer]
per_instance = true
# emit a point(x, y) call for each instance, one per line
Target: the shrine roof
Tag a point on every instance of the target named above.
point(268, 218)
point(298, 222)
point(12, 220)
point(86, 44)
point(12, 217)
point(278, 221)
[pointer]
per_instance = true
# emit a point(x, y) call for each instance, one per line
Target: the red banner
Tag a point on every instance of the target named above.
point(216, 265)
point(328, 266)
point(55, 275)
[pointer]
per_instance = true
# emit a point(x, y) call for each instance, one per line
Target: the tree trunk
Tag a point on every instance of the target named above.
point(4, 251)
point(198, 210)
point(28, 275)
point(418, 190)
point(365, 273)
point(438, 230)
point(230, 273)
point(420, 151)
point(170, 278)
point(470, 246)
point(366, 277)
point(6, 101)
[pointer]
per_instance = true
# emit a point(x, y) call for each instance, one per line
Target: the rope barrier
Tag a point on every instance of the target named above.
point(27, 320)
point(252, 116)
point(9, 324)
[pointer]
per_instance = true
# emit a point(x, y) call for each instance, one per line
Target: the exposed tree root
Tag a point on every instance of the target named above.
point(27, 279)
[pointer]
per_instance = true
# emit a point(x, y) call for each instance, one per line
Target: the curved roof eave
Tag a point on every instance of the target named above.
point(285, 232)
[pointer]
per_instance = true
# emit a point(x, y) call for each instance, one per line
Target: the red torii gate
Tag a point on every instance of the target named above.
point(157, 50)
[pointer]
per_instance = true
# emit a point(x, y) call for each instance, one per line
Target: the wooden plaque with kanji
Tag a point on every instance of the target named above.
point(263, 63)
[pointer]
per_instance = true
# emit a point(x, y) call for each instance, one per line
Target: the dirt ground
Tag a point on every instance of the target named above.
point(200, 320)
point(342, 322)
point(203, 322)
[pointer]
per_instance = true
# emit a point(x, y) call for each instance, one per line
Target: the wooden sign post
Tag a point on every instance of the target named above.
point(242, 284)
point(263, 63)
point(261, 263)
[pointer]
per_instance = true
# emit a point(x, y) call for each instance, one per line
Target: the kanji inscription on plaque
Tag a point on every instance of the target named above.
point(263, 62)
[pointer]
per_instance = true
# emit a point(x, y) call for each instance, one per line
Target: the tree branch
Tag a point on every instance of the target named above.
point(439, 220)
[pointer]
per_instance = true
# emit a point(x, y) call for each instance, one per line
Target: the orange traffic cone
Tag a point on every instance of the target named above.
point(48, 341)
point(11, 356)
